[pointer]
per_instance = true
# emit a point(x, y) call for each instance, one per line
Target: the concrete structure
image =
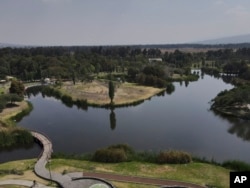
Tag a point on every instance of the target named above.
point(151, 60)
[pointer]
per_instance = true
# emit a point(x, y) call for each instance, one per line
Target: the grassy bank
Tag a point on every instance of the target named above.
point(96, 92)
point(178, 77)
point(199, 173)
point(11, 135)
point(7, 116)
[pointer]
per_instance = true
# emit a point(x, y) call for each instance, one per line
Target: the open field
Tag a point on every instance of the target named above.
point(199, 173)
point(189, 49)
point(96, 92)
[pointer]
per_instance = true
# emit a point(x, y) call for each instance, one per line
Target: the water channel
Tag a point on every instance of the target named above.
point(180, 121)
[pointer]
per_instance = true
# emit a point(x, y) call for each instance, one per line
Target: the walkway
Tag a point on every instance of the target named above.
point(25, 183)
point(67, 180)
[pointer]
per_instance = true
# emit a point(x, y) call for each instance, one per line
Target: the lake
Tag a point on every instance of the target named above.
point(180, 121)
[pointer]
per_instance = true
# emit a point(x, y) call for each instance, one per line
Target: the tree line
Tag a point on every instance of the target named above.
point(79, 62)
point(82, 63)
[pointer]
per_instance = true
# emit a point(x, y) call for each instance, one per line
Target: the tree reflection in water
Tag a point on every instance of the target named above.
point(112, 119)
point(240, 127)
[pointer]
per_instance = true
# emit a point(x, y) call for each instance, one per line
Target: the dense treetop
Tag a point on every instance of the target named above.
point(81, 62)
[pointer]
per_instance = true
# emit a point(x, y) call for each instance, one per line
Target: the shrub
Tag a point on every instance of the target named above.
point(174, 157)
point(11, 171)
point(110, 155)
point(126, 148)
point(15, 137)
point(236, 165)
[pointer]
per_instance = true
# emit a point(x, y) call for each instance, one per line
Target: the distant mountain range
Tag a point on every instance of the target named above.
point(4, 45)
point(228, 40)
point(242, 40)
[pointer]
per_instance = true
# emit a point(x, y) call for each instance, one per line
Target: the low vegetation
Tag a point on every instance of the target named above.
point(173, 157)
point(236, 165)
point(127, 154)
point(15, 137)
point(124, 153)
point(110, 155)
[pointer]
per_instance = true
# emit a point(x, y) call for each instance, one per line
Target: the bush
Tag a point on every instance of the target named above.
point(126, 148)
point(110, 155)
point(236, 165)
point(11, 171)
point(174, 157)
point(15, 137)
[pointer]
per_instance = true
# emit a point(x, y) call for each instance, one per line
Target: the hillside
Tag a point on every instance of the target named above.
point(228, 40)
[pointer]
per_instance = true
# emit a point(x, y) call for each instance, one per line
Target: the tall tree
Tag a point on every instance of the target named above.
point(111, 91)
point(17, 87)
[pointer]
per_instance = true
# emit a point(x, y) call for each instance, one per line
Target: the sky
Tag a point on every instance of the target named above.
point(120, 22)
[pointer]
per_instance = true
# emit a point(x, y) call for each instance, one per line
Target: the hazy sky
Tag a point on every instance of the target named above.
point(104, 22)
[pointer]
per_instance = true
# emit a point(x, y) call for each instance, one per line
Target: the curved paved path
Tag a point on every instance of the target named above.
point(65, 181)
point(26, 183)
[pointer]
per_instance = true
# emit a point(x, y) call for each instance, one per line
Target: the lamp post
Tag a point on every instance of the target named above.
point(50, 172)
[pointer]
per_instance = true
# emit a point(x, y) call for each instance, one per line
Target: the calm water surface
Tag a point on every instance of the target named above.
point(179, 121)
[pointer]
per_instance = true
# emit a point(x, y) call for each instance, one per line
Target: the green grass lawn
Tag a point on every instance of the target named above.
point(199, 173)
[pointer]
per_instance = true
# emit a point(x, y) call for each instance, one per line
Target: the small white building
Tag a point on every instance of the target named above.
point(151, 60)
point(47, 80)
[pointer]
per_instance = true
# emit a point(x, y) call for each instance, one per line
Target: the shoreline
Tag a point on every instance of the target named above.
point(96, 93)
point(8, 113)
point(232, 111)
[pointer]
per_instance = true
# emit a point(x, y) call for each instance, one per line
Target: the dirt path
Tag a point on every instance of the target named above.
point(141, 180)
